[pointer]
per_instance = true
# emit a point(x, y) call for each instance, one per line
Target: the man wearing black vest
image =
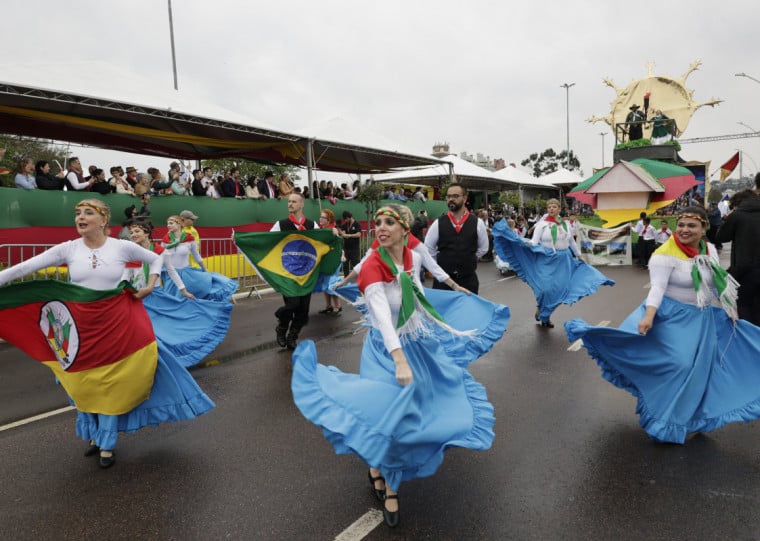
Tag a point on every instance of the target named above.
point(457, 240)
point(294, 315)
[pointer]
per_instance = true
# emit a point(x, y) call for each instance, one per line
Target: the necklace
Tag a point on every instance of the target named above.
point(94, 259)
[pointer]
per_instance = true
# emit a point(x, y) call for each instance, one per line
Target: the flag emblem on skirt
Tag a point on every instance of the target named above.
point(60, 330)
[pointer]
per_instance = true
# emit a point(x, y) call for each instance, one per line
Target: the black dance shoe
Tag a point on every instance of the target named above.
point(548, 324)
point(107, 461)
point(378, 492)
point(92, 449)
point(328, 310)
point(292, 340)
point(391, 517)
point(281, 332)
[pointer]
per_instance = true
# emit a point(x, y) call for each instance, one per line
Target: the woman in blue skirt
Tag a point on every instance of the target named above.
point(96, 261)
point(413, 397)
point(188, 328)
point(179, 245)
point(548, 263)
point(692, 366)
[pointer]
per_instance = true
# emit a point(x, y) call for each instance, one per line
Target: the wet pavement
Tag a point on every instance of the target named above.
point(569, 460)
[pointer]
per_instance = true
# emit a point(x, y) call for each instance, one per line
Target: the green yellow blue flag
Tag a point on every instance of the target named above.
point(292, 261)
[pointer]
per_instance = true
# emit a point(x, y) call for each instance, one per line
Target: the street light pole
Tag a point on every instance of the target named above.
point(602, 134)
point(747, 76)
point(171, 37)
point(567, 86)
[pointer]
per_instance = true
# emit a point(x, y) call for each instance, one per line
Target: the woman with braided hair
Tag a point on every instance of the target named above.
point(413, 397)
point(692, 366)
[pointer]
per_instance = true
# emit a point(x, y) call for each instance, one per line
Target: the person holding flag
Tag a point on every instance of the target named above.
point(413, 397)
point(294, 314)
point(549, 263)
point(692, 366)
point(293, 257)
point(121, 387)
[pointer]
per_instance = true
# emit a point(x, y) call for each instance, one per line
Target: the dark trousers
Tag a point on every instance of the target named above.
point(748, 303)
point(469, 281)
point(351, 261)
point(296, 310)
point(647, 247)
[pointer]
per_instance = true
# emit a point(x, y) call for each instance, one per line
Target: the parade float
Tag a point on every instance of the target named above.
point(647, 173)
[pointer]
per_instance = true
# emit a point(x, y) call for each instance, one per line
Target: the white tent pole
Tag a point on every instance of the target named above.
point(520, 197)
point(309, 169)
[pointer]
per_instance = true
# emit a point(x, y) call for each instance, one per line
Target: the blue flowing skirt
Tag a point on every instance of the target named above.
point(694, 371)
point(556, 277)
point(404, 431)
point(326, 282)
point(211, 286)
point(188, 329)
point(175, 396)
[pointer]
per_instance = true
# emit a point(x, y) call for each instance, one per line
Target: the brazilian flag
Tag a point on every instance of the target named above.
point(292, 261)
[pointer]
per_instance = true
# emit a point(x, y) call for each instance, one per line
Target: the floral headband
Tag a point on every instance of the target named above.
point(393, 214)
point(693, 217)
point(98, 209)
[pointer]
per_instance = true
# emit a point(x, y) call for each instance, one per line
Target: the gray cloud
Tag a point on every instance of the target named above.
point(483, 75)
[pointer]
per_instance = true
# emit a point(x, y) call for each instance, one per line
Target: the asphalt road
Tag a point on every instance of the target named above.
point(569, 460)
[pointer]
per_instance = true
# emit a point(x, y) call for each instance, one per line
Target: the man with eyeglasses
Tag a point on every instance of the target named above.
point(457, 240)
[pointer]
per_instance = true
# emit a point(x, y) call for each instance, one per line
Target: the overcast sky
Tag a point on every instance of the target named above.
point(484, 75)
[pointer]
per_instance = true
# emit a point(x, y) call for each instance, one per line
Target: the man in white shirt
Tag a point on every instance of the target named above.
point(207, 179)
point(458, 240)
point(648, 240)
point(294, 314)
point(74, 178)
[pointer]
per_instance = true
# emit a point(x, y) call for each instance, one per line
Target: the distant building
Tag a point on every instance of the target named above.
point(441, 150)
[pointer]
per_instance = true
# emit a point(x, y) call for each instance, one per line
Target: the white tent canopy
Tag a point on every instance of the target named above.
point(472, 176)
point(562, 177)
point(519, 176)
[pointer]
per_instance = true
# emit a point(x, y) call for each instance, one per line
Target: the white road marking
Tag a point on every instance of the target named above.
point(365, 524)
point(576, 346)
point(39, 417)
point(505, 278)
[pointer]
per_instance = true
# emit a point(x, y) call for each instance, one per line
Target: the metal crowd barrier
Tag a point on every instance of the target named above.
point(219, 255)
